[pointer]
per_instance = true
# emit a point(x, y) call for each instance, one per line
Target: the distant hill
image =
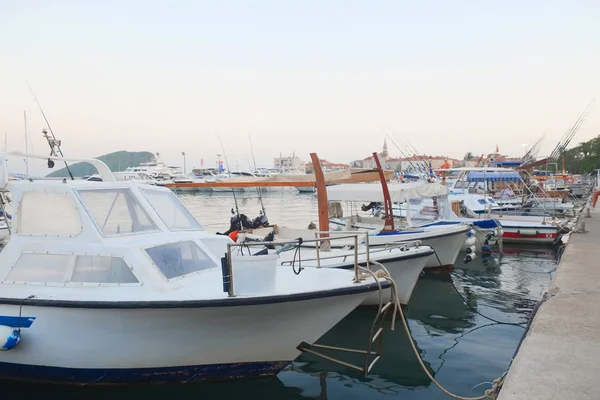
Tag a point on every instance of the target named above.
point(116, 161)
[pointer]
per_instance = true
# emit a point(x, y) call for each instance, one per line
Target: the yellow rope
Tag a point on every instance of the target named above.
point(491, 393)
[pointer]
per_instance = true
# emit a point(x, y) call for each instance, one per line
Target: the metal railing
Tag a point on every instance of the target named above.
point(227, 265)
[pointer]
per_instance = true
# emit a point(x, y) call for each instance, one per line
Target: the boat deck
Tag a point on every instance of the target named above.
point(559, 357)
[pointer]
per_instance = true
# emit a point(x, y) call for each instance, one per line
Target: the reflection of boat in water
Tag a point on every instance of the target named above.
point(530, 252)
point(397, 365)
point(510, 283)
point(437, 307)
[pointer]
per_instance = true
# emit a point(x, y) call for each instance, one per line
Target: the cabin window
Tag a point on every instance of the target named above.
point(178, 259)
point(171, 211)
point(116, 211)
point(102, 269)
point(481, 201)
point(48, 214)
point(39, 268)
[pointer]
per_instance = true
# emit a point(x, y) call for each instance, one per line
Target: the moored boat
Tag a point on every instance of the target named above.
point(115, 282)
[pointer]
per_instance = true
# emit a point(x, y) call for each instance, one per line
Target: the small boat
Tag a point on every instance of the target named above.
point(405, 261)
point(445, 237)
point(116, 282)
point(522, 225)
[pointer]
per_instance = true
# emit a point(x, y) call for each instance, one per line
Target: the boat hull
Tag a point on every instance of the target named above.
point(446, 247)
point(113, 345)
point(528, 234)
point(405, 274)
point(446, 239)
point(404, 267)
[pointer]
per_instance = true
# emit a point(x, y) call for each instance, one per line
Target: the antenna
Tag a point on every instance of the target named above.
point(52, 142)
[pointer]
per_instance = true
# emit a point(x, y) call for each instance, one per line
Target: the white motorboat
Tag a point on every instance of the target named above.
point(405, 262)
point(115, 282)
point(485, 231)
point(231, 176)
point(444, 236)
point(515, 228)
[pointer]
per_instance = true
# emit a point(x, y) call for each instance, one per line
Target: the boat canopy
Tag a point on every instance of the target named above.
point(399, 192)
point(493, 176)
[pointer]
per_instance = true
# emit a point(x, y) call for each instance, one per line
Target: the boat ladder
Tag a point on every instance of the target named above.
point(373, 352)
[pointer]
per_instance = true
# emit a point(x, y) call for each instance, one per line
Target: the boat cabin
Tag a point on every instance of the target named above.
point(76, 233)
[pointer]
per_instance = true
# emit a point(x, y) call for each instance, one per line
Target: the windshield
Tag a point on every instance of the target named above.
point(171, 211)
point(116, 211)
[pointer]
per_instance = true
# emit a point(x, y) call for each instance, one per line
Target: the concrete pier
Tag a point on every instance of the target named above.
point(560, 356)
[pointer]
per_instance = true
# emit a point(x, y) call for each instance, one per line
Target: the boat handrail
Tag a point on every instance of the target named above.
point(318, 240)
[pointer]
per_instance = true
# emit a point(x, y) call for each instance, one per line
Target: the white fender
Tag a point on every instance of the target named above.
point(471, 241)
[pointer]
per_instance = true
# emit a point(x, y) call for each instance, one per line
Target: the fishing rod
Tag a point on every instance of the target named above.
point(52, 142)
point(532, 153)
point(568, 136)
point(258, 188)
point(408, 158)
point(428, 169)
point(419, 167)
point(237, 210)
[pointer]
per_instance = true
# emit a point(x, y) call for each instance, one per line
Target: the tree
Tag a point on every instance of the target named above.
point(583, 158)
point(468, 156)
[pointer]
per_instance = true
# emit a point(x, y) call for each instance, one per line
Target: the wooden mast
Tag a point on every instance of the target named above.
point(321, 194)
point(388, 224)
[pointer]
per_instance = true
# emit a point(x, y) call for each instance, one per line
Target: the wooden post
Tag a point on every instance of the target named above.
point(388, 224)
point(321, 194)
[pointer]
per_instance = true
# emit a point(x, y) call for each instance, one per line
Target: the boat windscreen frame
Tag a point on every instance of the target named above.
point(131, 201)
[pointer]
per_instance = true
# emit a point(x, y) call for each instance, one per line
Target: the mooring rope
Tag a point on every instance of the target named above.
point(490, 393)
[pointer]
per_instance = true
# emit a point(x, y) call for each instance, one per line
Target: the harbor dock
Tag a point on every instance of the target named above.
point(558, 358)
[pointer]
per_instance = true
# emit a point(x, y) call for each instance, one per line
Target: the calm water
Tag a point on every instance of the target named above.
point(461, 348)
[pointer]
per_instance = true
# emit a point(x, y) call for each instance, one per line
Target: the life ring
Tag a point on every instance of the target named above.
point(570, 179)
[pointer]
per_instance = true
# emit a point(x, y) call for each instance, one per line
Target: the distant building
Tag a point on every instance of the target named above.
point(369, 162)
point(326, 166)
point(291, 163)
point(414, 163)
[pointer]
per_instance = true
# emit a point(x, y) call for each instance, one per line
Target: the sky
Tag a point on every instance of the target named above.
point(323, 76)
